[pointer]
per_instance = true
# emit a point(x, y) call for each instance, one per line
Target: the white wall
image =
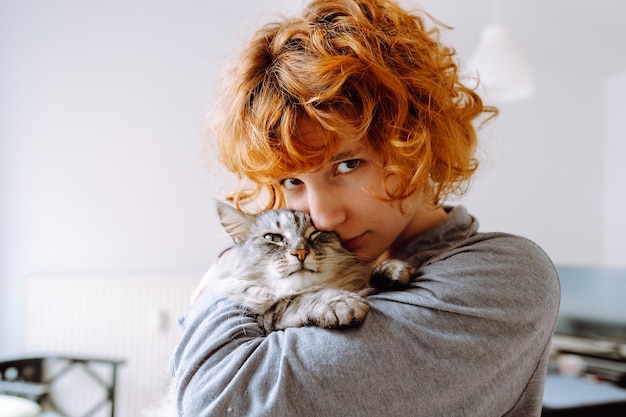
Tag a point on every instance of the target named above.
point(101, 113)
point(542, 172)
point(102, 107)
point(614, 180)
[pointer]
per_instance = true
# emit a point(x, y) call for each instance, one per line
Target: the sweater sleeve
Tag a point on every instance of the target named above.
point(469, 337)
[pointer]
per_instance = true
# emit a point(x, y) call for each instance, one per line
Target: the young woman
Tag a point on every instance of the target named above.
point(354, 113)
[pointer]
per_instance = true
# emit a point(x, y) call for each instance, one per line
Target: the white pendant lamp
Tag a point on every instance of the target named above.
point(503, 72)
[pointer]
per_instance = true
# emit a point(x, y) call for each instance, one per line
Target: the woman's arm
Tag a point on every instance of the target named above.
point(466, 339)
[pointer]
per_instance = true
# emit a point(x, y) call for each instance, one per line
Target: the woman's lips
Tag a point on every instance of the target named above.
point(352, 244)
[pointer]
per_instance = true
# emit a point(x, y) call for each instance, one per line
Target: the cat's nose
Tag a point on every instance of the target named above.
point(301, 254)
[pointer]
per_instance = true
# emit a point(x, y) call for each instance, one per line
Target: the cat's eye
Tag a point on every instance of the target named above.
point(290, 183)
point(273, 237)
point(346, 166)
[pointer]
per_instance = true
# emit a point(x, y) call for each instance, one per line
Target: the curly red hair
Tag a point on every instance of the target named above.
point(364, 66)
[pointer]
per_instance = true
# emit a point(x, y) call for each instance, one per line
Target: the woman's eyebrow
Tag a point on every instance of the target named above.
point(346, 155)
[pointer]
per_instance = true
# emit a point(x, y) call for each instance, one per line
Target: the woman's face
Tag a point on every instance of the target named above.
point(340, 197)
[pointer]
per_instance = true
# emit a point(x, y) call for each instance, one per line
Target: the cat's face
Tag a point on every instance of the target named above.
point(283, 248)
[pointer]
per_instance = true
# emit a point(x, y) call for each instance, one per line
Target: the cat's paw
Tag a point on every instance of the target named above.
point(327, 307)
point(345, 309)
point(391, 273)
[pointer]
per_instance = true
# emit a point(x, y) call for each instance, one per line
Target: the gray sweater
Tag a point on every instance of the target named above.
point(470, 337)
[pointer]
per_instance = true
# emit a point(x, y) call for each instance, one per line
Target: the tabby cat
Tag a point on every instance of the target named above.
point(289, 274)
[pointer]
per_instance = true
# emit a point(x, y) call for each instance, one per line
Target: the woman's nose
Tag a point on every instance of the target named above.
point(326, 211)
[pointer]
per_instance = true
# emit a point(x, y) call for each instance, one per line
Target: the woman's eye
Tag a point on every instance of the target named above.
point(347, 166)
point(273, 237)
point(290, 183)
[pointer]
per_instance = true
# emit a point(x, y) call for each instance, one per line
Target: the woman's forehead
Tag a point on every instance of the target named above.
point(347, 149)
point(311, 145)
point(313, 135)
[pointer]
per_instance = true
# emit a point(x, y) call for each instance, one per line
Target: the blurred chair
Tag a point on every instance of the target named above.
point(43, 380)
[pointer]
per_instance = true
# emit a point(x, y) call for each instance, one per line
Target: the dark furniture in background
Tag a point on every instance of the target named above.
point(34, 378)
point(592, 329)
point(582, 396)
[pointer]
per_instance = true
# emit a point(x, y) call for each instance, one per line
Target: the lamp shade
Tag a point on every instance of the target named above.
point(503, 72)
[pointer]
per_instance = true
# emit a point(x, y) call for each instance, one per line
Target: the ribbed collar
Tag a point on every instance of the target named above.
point(459, 226)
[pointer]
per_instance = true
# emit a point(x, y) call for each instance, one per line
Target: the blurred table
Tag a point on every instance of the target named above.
point(573, 396)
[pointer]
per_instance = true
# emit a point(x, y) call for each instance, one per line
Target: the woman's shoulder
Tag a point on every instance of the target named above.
point(510, 257)
point(458, 243)
point(506, 248)
point(485, 273)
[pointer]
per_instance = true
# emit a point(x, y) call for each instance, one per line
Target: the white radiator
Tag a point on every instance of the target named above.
point(127, 317)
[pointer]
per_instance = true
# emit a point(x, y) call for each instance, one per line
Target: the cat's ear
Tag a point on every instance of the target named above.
point(236, 223)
